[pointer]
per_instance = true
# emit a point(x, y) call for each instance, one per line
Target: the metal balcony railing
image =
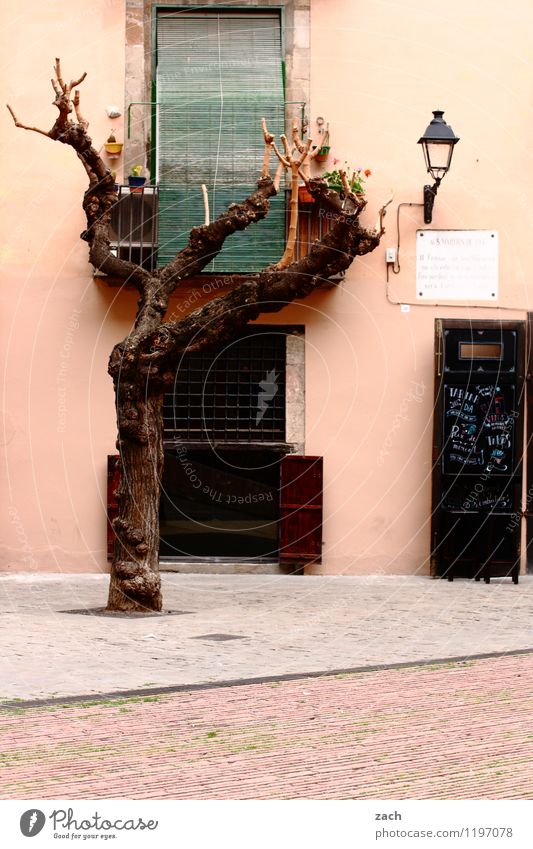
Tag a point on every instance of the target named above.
point(133, 232)
point(313, 223)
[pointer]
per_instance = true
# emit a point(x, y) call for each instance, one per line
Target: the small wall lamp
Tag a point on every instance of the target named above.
point(437, 143)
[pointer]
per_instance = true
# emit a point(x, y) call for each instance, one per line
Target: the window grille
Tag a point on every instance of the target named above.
point(236, 395)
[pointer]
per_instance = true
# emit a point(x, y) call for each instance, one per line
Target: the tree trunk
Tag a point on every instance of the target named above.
point(135, 580)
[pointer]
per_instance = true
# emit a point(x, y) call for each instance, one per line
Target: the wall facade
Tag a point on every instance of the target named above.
point(377, 70)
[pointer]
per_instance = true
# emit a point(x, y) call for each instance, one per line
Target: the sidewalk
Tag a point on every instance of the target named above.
point(447, 731)
point(244, 626)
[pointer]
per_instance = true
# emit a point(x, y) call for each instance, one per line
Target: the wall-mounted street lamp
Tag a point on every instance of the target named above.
point(437, 143)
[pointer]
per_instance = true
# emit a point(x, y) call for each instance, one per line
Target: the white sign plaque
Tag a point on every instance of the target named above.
point(457, 265)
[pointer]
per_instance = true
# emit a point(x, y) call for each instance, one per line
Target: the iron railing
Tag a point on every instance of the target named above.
point(133, 231)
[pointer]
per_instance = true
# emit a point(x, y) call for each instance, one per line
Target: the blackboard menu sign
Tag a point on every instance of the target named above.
point(464, 496)
point(479, 421)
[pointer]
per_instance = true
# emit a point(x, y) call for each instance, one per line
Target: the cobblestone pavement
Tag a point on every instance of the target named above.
point(286, 624)
point(443, 731)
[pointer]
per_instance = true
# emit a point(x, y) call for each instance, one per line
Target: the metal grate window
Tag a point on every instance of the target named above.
point(236, 395)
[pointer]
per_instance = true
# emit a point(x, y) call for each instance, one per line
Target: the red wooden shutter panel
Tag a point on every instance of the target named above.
point(300, 509)
point(112, 504)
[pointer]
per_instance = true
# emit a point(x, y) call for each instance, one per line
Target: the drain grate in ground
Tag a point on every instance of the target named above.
point(219, 638)
point(149, 614)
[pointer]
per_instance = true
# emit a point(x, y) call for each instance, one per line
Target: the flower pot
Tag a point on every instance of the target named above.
point(113, 149)
point(322, 154)
point(136, 183)
point(304, 195)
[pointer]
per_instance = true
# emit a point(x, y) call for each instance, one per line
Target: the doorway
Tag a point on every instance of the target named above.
point(220, 505)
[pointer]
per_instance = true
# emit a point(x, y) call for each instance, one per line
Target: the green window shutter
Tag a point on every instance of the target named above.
point(217, 76)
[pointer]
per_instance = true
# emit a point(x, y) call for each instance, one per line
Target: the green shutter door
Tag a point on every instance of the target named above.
point(217, 76)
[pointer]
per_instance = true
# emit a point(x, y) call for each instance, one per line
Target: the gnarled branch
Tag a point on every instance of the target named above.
point(266, 291)
point(25, 126)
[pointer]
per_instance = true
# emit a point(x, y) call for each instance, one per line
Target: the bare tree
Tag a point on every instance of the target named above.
point(143, 365)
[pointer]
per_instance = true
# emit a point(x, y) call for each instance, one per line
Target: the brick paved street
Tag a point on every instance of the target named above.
point(285, 624)
point(450, 731)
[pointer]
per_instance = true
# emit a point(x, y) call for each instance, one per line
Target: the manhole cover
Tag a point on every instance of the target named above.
point(101, 611)
point(219, 638)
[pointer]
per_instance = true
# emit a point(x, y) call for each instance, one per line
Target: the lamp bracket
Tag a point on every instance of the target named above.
point(430, 193)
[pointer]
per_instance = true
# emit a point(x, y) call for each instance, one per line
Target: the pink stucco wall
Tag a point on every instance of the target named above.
point(58, 325)
point(377, 71)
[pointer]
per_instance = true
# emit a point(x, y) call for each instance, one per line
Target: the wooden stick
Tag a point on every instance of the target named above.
point(346, 187)
point(298, 143)
point(277, 178)
point(206, 204)
point(305, 177)
point(304, 152)
point(294, 164)
point(286, 147)
point(288, 254)
point(269, 138)
point(304, 149)
point(281, 158)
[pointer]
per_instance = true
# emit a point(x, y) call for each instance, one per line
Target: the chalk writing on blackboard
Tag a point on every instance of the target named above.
point(481, 497)
point(478, 428)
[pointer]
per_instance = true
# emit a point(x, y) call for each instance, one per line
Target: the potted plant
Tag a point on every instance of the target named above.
point(135, 180)
point(323, 153)
point(113, 147)
point(355, 180)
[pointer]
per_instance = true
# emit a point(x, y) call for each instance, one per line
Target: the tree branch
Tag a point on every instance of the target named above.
point(59, 78)
point(379, 228)
point(100, 196)
point(25, 126)
point(79, 116)
point(73, 83)
point(267, 291)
